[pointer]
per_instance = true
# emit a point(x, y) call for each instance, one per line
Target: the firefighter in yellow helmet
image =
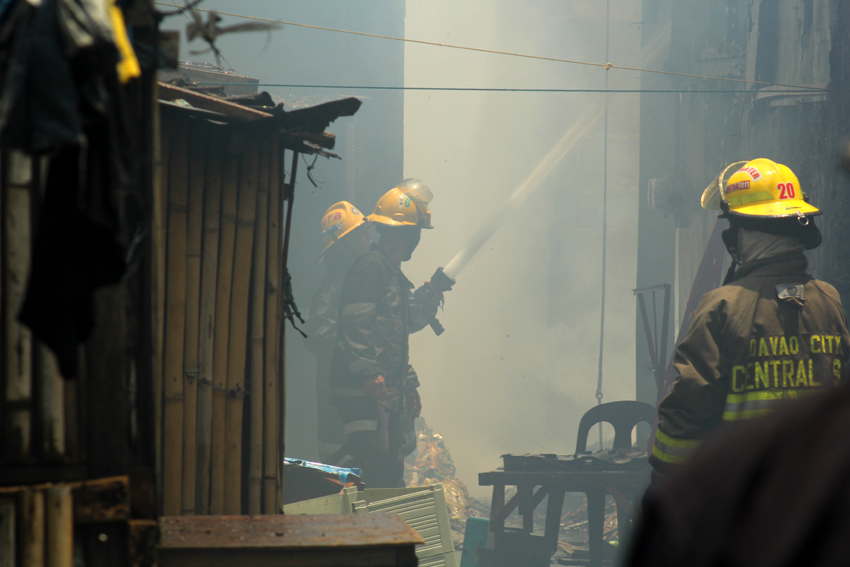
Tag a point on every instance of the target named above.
point(345, 237)
point(373, 384)
point(771, 334)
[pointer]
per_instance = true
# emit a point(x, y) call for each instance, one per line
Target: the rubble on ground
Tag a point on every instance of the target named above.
point(432, 463)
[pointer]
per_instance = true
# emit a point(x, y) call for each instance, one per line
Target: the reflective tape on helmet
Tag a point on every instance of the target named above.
point(674, 451)
point(755, 404)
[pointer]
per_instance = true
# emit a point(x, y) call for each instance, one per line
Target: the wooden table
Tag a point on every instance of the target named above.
point(622, 485)
point(379, 540)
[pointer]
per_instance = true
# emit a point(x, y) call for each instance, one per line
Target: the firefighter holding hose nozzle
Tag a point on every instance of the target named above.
point(372, 383)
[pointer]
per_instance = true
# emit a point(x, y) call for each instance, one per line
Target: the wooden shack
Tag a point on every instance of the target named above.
point(224, 201)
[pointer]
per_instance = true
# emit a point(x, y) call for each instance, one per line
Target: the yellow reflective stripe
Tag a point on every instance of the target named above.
point(768, 395)
point(672, 459)
point(681, 443)
point(674, 451)
point(755, 404)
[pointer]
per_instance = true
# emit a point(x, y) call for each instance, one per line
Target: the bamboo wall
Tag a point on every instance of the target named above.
point(217, 317)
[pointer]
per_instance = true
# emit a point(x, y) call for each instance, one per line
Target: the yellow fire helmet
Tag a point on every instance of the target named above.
point(405, 205)
point(759, 188)
point(340, 219)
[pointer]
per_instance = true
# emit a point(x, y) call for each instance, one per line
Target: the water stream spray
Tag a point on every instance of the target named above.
point(537, 175)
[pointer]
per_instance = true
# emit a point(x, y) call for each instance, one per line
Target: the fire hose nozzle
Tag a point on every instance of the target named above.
point(441, 282)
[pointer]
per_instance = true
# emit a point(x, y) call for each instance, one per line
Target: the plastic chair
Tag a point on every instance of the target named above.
point(624, 416)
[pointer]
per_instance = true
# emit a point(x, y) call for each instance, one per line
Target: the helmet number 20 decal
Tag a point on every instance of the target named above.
point(786, 190)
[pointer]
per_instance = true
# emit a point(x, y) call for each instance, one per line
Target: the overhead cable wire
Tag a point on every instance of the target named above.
point(800, 92)
point(607, 66)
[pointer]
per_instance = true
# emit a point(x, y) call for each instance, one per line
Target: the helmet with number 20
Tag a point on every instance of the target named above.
point(764, 188)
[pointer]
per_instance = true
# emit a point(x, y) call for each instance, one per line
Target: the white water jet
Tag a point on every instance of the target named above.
point(537, 175)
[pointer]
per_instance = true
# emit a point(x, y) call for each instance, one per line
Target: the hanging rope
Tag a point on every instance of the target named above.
point(599, 394)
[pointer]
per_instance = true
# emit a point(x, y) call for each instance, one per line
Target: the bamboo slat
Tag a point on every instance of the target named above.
point(8, 541)
point(52, 398)
point(31, 525)
point(258, 300)
point(209, 272)
point(240, 290)
point(60, 527)
point(270, 435)
point(194, 237)
point(17, 241)
point(229, 193)
point(175, 312)
point(159, 219)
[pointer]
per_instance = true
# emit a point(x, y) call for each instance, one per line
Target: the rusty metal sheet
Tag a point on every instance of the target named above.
point(283, 532)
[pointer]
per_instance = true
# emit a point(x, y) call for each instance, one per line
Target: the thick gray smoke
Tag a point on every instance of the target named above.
point(517, 365)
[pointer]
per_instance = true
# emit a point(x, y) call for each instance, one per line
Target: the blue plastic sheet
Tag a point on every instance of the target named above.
point(341, 473)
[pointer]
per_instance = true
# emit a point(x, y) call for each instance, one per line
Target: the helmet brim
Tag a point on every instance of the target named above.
point(777, 209)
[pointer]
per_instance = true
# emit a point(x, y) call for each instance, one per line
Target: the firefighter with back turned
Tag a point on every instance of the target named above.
point(372, 383)
point(345, 237)
point(770, 335)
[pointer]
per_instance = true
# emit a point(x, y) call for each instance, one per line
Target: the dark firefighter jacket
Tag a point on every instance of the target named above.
point(374, 324)
point(321, 338)
point(323, 315)
point(772, 335)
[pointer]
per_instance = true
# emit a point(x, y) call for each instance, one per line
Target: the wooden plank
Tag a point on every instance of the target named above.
point(209, 273)
point(60, 527)
point(144, 535)
point(270, 419)
point(175, 309)
point(194, 236)
point(279, 532)
point(52, 397)
point(8, 543)
point(31, 525)
point(258, 300)
point(159, 212)
point(221, 335)
point(207, 102)
point(237, 347)
point(17, 240)
point(101, 500)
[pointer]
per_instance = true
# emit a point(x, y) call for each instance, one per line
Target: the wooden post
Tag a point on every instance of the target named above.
point(8, 541)
point(159, 234)
point(270, 436)
point(221, 335)
point(194, 235)
point(60, 527)
point(209, 272)
point(245, 217)
point(31, 524)
point(17, 241)
point(175, 308)
point(52, 404)
point(258, 297)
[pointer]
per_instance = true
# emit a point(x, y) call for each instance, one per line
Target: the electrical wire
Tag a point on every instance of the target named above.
point(607, 66)
point(507, 89)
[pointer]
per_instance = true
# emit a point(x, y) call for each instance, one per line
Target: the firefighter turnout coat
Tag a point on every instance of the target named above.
point(773, 335)
point(374, 326)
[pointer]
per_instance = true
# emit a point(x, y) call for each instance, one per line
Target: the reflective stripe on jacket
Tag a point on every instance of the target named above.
point(773, 335)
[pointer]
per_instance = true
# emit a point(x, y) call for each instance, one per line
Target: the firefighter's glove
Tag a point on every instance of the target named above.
point(375, 387)
point(414, 404)
point(427, 299)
